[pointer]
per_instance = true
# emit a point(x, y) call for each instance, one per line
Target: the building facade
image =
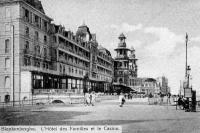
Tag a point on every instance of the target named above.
point(39, 57)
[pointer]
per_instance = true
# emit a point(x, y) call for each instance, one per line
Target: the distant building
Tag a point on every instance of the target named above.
point(144, 86)
point(163, 84)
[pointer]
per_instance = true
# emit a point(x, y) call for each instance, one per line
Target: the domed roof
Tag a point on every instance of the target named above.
point(122, 36)
point(122, 42)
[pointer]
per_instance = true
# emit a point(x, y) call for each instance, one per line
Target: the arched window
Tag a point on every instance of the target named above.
point(7, 98)
point(26, 46)
point(7, 46)
point(120, 80)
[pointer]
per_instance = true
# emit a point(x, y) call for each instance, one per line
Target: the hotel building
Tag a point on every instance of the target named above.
point(39, 57)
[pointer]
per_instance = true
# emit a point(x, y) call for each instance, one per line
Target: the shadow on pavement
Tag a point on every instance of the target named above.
point(37, 117)
point(117, 122)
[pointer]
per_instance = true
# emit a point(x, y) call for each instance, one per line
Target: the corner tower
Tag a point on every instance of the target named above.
point(125, 67)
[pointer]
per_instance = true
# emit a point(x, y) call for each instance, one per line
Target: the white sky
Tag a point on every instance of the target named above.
point(155, 28)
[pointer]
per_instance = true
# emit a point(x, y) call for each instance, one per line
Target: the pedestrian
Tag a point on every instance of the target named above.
point(87, 98)
point(168, 98)
point(161, 98)
point(121, 99)
point(93, 97)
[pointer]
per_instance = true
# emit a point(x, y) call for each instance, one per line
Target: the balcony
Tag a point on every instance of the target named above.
point(51, 70)
point(121, 57)
point(73, 53)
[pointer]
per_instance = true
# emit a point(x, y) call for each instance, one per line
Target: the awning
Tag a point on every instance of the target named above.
point(122, 88)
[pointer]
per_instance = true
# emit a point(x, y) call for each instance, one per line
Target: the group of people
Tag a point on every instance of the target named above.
point(90, 98)
point(183, 103)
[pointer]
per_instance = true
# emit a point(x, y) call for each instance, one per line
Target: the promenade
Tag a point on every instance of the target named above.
point(135, 117)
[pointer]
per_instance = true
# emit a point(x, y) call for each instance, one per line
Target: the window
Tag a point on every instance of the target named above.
point(7, 63)
point(8, 13)
point(7, 27)
point(60, 68)
point(69, 84)
point(37, 50)
point(45, 39)
point(37, 63)
point(7, 98)
point(7, 45)
point(7, 82)
point(120, 52)
point(36, 19)
point(36, 35)
point(26, 14)
point(38, 81)
point(26, 47)
point(45, 52)
point(45, 25)
point(64, 69)
point(63, 83)
point(27, 61)
point(30, 17)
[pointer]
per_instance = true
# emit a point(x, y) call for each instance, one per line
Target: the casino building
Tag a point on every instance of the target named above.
point(39, 57)
point(125, 66)
point(126, 72)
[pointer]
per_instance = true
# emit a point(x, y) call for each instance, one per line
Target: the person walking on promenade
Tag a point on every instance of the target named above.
point(87, 99)
point(93, 97)
point(161, 98)
point(121, 99)
point(168, 98)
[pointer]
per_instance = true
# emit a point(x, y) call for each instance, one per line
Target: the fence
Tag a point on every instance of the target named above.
point(162, 100)
point(48, 99)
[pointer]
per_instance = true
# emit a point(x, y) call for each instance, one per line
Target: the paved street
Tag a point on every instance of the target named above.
point(134, 117)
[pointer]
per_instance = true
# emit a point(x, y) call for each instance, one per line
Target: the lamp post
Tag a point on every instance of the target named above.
point(188, 76)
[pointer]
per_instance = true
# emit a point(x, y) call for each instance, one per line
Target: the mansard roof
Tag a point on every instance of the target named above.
point(36, 4)
point(104, 50)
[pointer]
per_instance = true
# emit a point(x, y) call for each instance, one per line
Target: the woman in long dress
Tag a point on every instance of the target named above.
point(121, 100)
